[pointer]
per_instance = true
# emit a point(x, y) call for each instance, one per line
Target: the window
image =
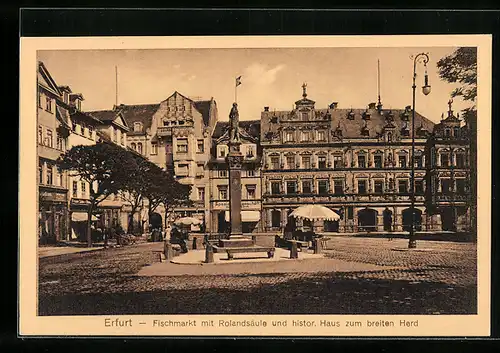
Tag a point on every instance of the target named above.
point(321, 136)
point(91, 132)
point(222, 192)
point(403, 186)
point(445, 160)
point(49, 174)
point(39, 99)
point(59, 142)
point(338, 187)
point(460, 183)
point(460, 160)
point(122, 138)
point(447, 132)
point(40, 134)
point(337, 162)
point(166, 123)
point(291, 187)
point(275, 219)
point(250, 152)
point(275, 162)
point(418, 161)
point(389, 137)
point(154, 148)
point(139, 147)
point(361, 187)
point(305, 136)
point(84, 191)
point(133, 146)
point(75, 189)
point(306, 187)
point(222, 173)
point(65, 97)
point(323, 187)
point(115, 135)
point(289, 136)
point(137, 127)
point(322, 162)
point(222, 151)
point(378, 186)
point(200, 146)
point(445, 186)
point(61, 178)
point(250, 173)
point(456, 132)
point(251, 191)
point(377, 160)
point(290, 162)
point(275, 187)
point(402, 161)
point(305, 116)
point(78, 104)
point(40, 172)
point(49, 138)
point(419, 187)
point(361, 161)
point(48, 104)
point(201, 194)
point(182, 145)
point(306, 162)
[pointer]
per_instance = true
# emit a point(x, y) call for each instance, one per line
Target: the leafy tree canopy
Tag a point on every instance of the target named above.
point(461, 67)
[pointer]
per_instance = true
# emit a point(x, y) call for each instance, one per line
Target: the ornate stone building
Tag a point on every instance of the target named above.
point(250, 177)
point(176, 135)
point(355, 161)
point(448, 153)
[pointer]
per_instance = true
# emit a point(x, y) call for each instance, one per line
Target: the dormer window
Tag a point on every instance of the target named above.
point(166, 123)
point(366, 115)
point(389, 137)
point(48, 104)
point(350, 115)
point(456, 132)
point(305, 116)
point(78, 104)
point(65, 97)
point(447, 132)
point(137, 127)
point(365, 131)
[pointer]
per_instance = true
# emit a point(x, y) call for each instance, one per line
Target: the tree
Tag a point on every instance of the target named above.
point(105, 167)
point(165, 189)
point(461, 67)
point(137, 185)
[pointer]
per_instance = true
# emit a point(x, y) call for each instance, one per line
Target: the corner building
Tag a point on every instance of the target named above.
point(354, 161)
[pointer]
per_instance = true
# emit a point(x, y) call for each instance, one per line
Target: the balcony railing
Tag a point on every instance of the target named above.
point(164, 131)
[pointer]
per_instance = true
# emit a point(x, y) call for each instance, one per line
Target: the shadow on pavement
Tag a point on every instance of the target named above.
point(322, 294)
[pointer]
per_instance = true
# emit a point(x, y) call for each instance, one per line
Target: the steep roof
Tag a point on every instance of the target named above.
point(204, 108)
point(252, 127)
point(142, 113)
point(351, 128)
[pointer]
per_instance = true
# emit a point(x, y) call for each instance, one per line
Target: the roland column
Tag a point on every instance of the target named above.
point(234, 160)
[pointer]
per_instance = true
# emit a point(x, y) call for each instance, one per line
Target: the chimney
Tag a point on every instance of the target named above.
point(371, 106)
point(266, 109)
point(333, 105)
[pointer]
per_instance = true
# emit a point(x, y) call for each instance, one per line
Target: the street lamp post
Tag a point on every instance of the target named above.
point(426, 89)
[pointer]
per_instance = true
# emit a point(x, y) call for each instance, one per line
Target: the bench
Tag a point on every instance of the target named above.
point(231, 251)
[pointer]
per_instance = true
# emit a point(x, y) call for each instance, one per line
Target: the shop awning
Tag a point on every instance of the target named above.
point(81, 217)
point(246, 216)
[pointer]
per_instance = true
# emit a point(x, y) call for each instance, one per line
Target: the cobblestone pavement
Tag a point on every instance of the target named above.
point(439, 281)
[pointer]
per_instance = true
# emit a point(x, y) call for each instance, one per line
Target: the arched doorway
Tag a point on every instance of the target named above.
point(407, 219)
point(387, 215)
point(367, 220)
point(156, 220)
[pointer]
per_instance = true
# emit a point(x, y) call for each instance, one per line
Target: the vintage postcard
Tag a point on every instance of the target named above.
point(255, 186)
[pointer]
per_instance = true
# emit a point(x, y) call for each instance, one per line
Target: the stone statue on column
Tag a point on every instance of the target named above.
point(234, 124)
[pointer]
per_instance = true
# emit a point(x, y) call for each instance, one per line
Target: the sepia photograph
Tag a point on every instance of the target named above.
point(327, 180)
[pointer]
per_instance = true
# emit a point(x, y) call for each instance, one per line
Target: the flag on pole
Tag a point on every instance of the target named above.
point(238, 81)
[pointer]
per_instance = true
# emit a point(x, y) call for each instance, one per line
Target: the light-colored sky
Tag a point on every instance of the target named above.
point(270, 77)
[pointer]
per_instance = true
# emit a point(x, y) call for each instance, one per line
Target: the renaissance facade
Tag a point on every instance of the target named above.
point(354, 161)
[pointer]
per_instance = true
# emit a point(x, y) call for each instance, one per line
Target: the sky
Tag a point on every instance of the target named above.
point(270, 77)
